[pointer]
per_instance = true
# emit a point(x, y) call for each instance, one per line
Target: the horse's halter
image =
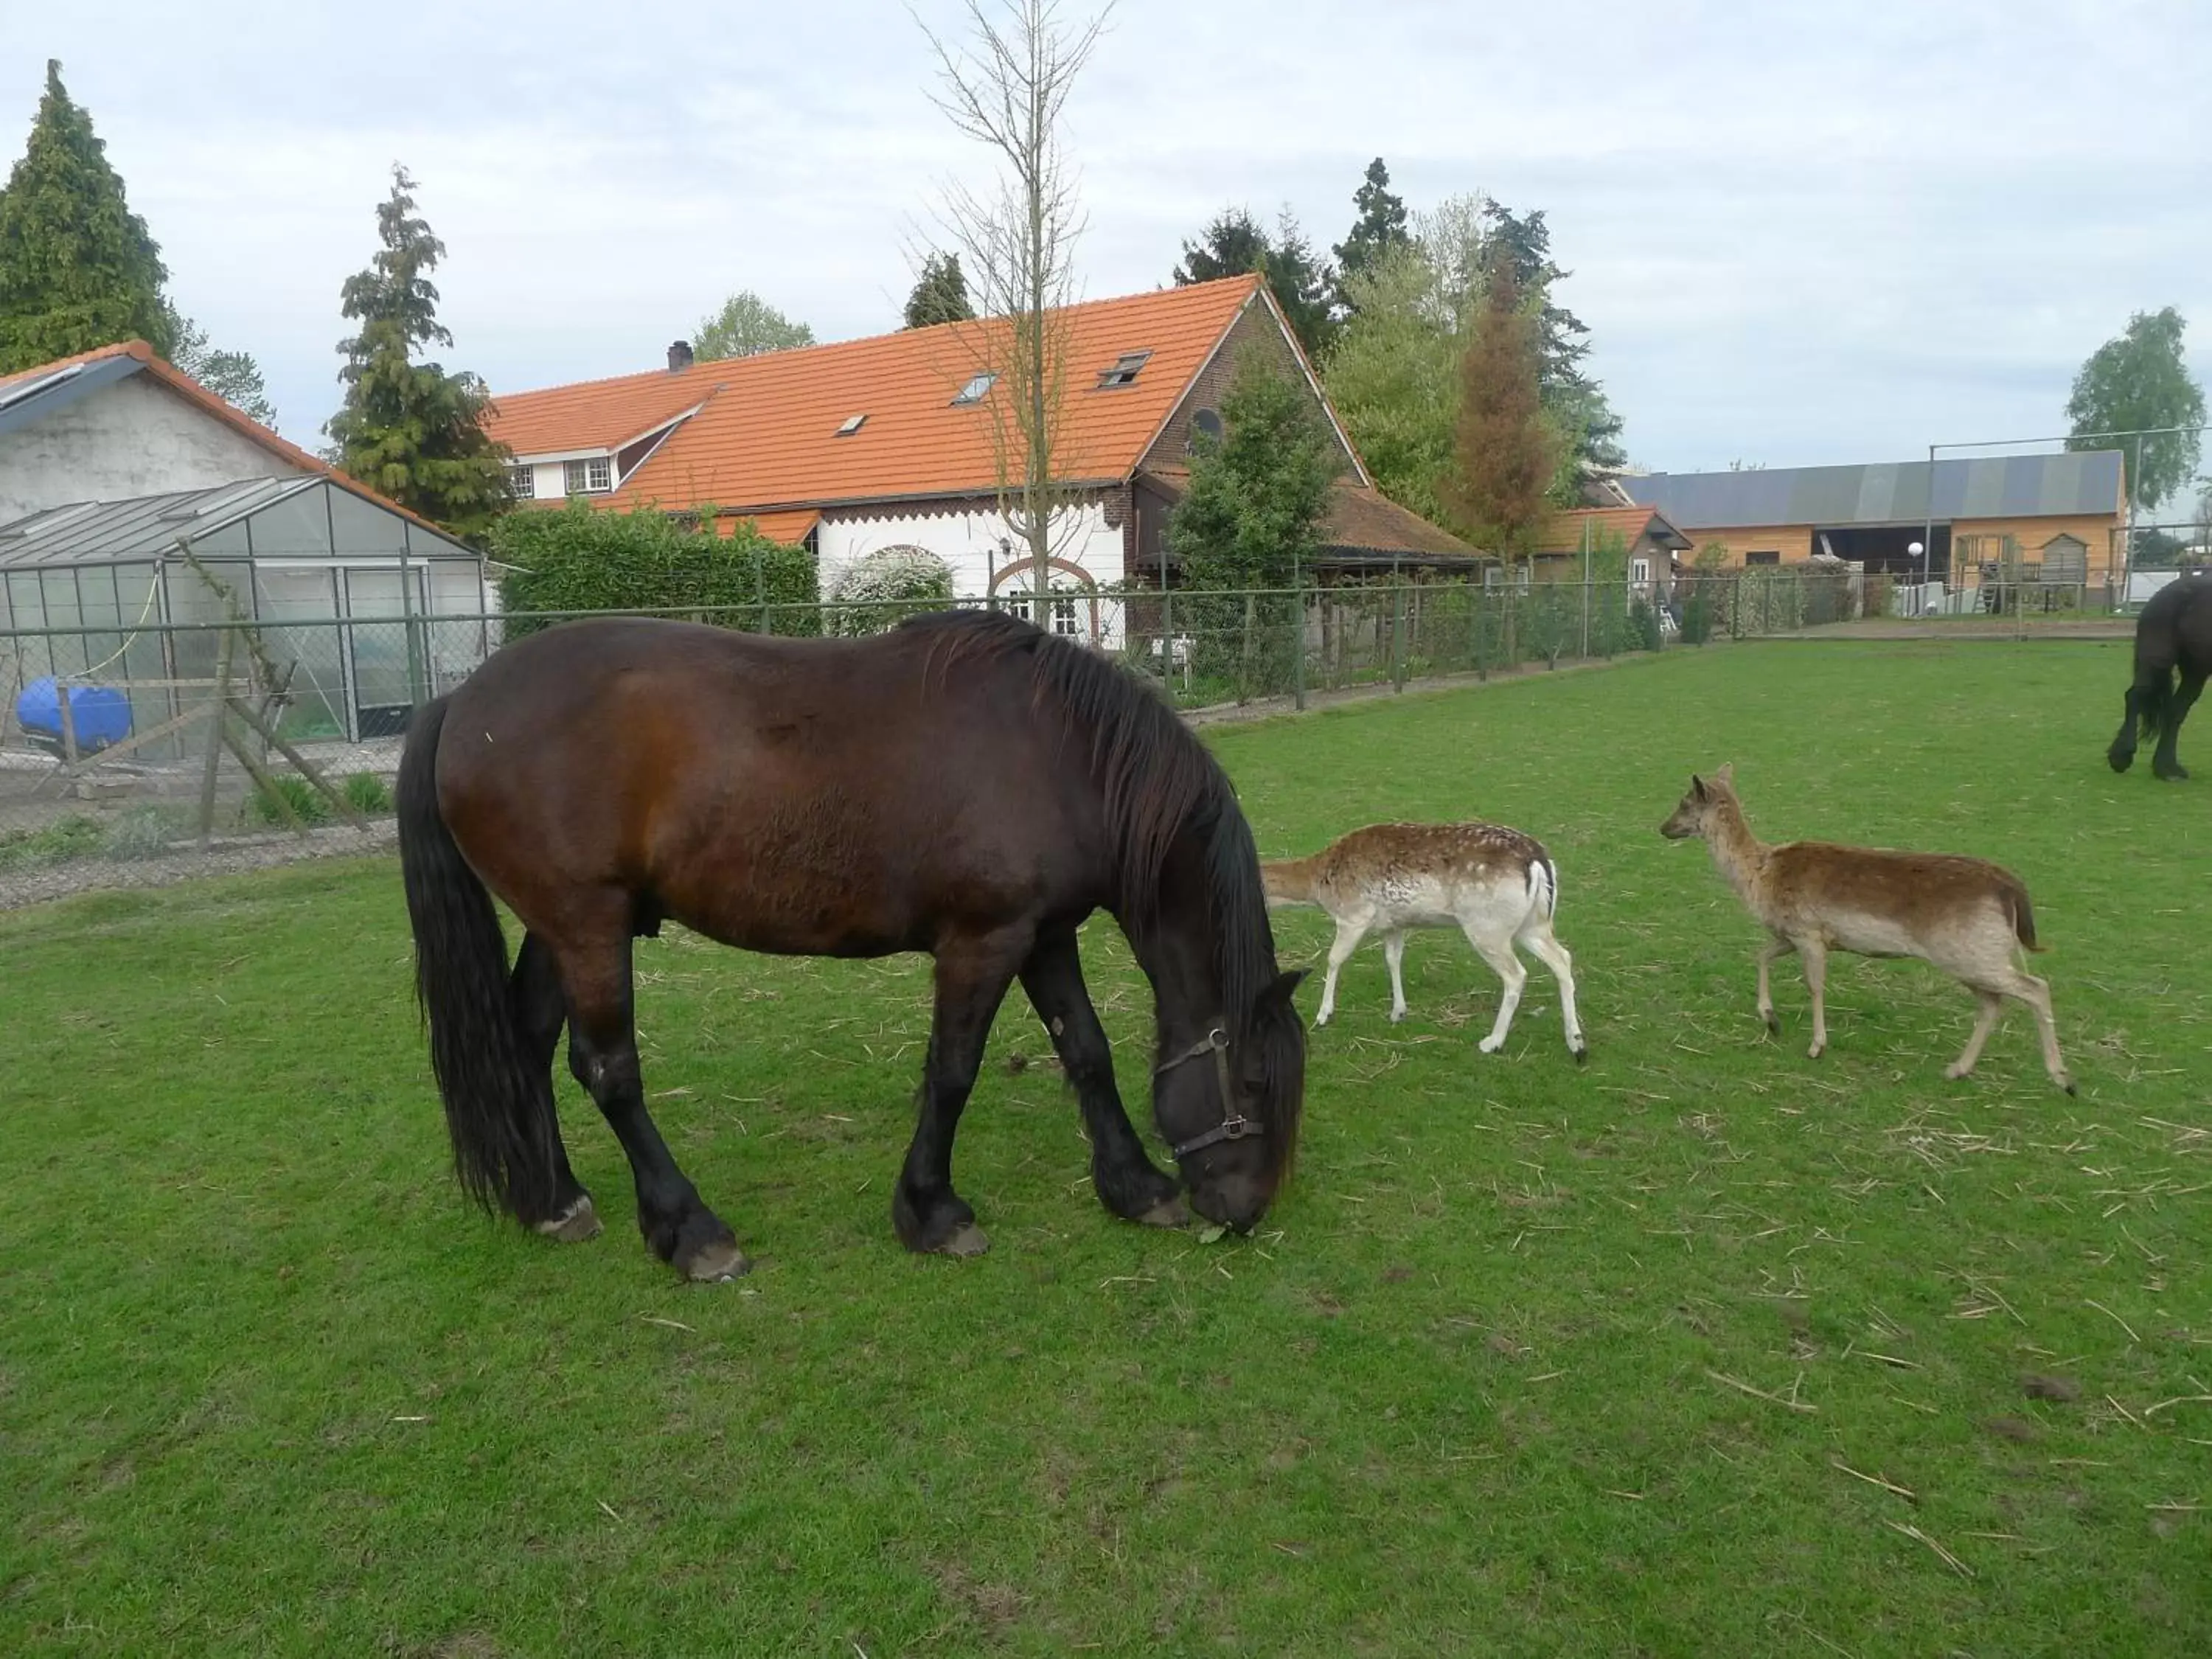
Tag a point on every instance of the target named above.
point(1235, 1125)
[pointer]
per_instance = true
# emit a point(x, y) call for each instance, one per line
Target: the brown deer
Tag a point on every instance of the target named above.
point(1966, 916)
point(1497, 886)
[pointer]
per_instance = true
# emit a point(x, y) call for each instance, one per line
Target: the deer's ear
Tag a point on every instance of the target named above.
point(1726, 774)
point(1698, 786)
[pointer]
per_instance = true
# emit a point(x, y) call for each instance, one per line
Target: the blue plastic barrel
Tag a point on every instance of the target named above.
point(100, 714)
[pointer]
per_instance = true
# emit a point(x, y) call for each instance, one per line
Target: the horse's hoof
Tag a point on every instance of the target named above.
point(579, 1222)
point(968, 1240)
point(2121, 762)
point(2172, 773)
point(717, 1264)
point(1167, 1213)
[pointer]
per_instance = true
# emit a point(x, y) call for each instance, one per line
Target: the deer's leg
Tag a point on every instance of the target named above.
point(1814, 955)
point(2163, 762)
point(1349, 932)
point(1393, 952)
point(2027, 988)
point(1992, 1008)
point(1775, 950)
point(1498, 953)
point(1544, 946)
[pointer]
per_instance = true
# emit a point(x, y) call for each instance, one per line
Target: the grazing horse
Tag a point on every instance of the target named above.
point(965, 785)
point(2173, 635)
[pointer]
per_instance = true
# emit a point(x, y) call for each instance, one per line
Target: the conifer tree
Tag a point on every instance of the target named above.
point(940, 294)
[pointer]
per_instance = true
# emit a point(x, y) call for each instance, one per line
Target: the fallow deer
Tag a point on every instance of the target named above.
point(1497, 886)
point(1965, 916)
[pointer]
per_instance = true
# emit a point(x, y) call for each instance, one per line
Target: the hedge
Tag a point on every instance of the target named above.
point(580, 559)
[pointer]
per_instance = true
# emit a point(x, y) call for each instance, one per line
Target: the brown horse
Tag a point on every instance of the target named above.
point(965, 785)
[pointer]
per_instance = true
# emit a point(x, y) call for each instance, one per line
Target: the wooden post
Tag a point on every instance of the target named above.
point(1398, 637)
point(260, 775)
point(69, 718)
point(300, 761)
point(214, 735)
point(1297, 648)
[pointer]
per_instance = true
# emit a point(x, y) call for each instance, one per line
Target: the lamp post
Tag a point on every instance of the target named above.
point(1919, 550)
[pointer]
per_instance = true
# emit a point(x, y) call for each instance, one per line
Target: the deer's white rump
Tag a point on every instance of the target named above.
point(1496, 886)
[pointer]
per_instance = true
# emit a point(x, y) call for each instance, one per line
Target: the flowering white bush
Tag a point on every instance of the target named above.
point(889, 584)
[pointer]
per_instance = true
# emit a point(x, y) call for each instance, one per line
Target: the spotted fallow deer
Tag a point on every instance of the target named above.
point(1497, 886)
point(1966, 916)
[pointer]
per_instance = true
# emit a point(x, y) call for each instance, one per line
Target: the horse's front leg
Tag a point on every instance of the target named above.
point(1124, 1177)
point(972, 976)
point(2122, 754)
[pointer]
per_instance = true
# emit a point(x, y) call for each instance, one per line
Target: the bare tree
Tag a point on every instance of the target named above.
point(1006, 88)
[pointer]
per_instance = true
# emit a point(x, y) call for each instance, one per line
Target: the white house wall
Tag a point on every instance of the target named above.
point(977, 545)
point(133, 438)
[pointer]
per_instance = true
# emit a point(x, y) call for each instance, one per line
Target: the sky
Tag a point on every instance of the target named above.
point(1800, 234)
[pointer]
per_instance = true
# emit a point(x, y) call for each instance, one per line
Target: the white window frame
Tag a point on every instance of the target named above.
point(522, 479)
point(1639, 572)
point(596, 473)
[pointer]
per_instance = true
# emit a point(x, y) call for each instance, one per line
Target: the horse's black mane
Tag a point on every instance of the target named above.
point(1159, 782)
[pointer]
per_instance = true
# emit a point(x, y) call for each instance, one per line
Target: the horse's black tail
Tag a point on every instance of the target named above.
point(2155, 700)
point(500, 1117)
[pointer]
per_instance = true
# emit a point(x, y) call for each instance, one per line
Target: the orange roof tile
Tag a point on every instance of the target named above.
point(1562, 531)
point(765, 432)
point(193, 393)
point(789, 528)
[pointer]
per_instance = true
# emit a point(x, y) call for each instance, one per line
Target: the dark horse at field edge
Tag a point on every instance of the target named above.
point(2173, 638)
point(965, 785)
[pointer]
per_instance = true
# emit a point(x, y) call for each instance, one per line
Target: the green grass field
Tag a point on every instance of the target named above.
point(1707, 1349)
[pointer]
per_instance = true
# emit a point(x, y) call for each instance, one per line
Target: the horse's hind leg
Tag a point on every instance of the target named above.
point(2163, 762)
point(972, 977)
point(539, 1011)
point(603, 1053)
point(1125, 1179)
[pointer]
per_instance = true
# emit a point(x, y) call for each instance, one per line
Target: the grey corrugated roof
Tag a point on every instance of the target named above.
point(2077, 484)
point(147, 527)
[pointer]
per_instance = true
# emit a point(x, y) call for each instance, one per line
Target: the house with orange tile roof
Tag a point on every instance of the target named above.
point(889, 441)
point(1650, 546)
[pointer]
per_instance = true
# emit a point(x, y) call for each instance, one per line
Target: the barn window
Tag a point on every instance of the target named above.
point(1770, 555)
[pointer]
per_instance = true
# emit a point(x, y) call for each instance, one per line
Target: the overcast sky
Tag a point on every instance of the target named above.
point(1800, 234)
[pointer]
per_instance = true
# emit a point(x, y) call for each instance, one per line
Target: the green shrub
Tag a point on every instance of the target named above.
point(1697, 617)
point(74, 837)
point(579, 559)
point(367, 794)
point(1643, 626)
point(307, 802)
point(143, 832)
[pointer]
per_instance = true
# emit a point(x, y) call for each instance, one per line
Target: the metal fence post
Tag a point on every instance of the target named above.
point(1299, 647)
point(1398, 638)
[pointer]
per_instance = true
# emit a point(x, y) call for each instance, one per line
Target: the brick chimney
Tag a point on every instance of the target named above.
point(680, 357)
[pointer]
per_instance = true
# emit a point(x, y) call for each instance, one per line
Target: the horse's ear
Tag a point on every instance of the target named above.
point(1285, 988)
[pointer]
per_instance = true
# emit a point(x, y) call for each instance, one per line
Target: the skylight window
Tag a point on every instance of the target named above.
point(1123, 369)
point(853, 423)
point(976, 390)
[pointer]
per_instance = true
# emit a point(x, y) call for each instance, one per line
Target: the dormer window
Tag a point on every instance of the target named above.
point(975, 390)
point(593, 475)
point(522, 480)
point(1123, 370)
point(853, 423)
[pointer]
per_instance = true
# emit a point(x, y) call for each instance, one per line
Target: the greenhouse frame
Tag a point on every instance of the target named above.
point(362, 611)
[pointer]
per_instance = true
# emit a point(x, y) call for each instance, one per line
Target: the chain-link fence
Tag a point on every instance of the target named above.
point(149, 743)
